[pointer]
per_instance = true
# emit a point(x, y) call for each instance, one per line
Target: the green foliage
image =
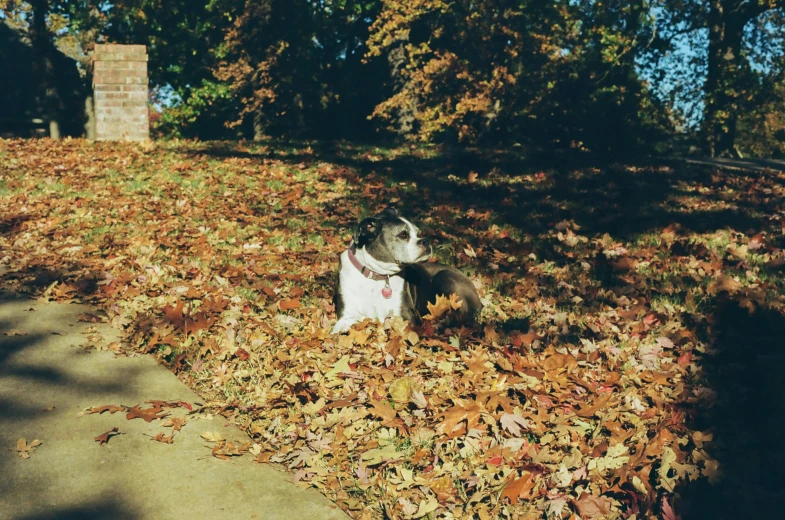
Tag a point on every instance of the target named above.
point(762, 130)
point(437, 71)
point(197, 115)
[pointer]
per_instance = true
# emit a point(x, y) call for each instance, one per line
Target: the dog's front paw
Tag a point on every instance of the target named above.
point(342, 325)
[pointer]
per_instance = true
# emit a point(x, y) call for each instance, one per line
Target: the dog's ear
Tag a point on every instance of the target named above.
point(366, 231)
point(389, 211)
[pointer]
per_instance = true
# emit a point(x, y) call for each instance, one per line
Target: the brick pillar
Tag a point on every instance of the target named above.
point(120, 92)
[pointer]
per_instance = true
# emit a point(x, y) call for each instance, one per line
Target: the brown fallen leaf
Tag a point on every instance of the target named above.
point(148, 414)
point(161, 437)
point(591, 507)
point(383, 410)
point(169, 404)
point(25, 449)
point(557, 362)
point(111, 408)
point(519, 488)
point(288, 305)
point(442, 305)
point(89, 317)
point(226, 450)
point(104, 437)
point(176, 423)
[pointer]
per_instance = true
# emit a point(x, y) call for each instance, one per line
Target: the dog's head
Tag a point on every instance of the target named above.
point(388, 237)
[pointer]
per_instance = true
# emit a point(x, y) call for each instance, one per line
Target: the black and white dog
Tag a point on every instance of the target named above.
point(385, 273)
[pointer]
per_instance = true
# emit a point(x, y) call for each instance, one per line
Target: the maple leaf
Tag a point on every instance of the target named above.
point(667, 511)
point(362, 474)
point(591, 507)
point(383, 410)
point(442, 305)
point(477, 362)
point(148, 414)
point(104, 437)
point(222, 375)
point(519, 488)
point(513, 423)
point(459, 413)
point(25, 449)
point(175, 315)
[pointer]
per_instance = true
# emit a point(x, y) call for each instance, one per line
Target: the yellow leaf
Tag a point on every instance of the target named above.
point(379, 455)
point(401, 389)
point(212, 436)
point(341, 367)
point(429, 506)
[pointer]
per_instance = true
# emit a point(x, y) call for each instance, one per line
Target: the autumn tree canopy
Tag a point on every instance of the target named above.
point(581, 73)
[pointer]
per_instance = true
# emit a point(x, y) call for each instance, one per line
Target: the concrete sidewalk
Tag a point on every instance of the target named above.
point(46, 379)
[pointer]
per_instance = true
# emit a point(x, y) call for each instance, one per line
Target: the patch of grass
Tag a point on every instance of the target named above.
point(248, 294)
point(275, 185)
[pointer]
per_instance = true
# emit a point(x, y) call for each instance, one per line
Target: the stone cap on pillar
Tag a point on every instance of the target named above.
point(119, 52)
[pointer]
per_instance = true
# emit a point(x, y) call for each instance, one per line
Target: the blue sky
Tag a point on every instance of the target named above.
point(679, 76)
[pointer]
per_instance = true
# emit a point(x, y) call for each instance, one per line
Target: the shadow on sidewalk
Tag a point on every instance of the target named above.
point(99, 509)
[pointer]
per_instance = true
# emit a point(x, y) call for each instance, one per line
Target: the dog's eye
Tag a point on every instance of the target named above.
point(403, 235)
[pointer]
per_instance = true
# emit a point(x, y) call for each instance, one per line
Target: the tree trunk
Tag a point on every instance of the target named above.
point(259, 126)
point(406, 115)
point(44, 50)
point(727, 19)
point(726, 31)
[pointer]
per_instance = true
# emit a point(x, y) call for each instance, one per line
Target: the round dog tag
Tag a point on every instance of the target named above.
point(387, 291)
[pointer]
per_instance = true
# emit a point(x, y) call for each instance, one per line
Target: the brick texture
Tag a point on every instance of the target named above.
point(120, 92)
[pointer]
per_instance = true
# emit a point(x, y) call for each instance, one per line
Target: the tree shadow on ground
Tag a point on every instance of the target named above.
point(745, 371)
point(532, 192)
point(16, 363)
point(99, 509)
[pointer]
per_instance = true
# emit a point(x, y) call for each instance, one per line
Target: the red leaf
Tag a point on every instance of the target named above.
point(685, 358)
point(496, 461)
point(667, 511)
point(650, 320)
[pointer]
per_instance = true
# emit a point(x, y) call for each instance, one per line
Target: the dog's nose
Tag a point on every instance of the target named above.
point(424, 241)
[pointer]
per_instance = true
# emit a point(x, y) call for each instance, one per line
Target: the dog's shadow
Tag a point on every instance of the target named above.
point(747, 419)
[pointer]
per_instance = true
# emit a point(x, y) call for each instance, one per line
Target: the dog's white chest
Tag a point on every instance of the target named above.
point(362, 297)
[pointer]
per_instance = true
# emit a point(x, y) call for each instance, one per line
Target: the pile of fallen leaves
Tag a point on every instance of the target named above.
point(586, 389)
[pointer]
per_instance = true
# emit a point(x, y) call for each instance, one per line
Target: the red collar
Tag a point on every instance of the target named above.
point(360, 267)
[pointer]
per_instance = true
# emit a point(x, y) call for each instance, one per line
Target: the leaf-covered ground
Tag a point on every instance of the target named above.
point(629, 361)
